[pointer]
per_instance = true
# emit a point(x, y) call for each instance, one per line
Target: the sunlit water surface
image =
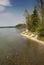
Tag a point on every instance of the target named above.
point(18, 50)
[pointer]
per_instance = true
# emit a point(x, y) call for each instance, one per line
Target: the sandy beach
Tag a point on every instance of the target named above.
point(32, 38)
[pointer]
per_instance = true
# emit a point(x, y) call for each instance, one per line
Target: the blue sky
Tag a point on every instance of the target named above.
point(12, 11)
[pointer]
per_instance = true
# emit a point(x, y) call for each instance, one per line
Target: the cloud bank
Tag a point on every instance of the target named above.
point(4, 3)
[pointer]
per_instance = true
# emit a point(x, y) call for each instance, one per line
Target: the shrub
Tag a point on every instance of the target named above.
point(41, 32)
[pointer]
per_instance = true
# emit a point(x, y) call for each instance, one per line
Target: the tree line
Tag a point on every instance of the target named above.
point(35, 22)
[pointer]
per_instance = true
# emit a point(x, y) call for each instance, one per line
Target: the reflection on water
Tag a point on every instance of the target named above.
point(18, 50)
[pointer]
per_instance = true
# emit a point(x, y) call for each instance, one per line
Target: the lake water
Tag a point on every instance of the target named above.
point(18, 50)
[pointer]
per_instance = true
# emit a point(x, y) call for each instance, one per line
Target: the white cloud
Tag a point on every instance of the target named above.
point(4, 3)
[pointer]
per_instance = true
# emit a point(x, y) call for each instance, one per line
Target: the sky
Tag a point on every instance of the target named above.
point(12, 11)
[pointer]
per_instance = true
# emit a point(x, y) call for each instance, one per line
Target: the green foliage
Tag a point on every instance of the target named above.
point(28, 19)
point(35, 20)
point(41, 32)
point(41, 10)
point(20, 26)
point(40, 5)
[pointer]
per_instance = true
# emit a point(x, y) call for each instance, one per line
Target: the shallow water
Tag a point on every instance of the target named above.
point(18, 50)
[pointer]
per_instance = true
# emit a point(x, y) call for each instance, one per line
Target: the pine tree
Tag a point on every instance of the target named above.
point(41, 10)
point(27, 18)
point(35, 20)
point(40, 5)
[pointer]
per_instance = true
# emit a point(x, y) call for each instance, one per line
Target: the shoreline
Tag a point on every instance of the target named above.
point(32, 38)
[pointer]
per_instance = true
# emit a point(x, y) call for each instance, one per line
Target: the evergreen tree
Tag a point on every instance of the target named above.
point(35, 20)
point(27, 18)
point(41, 10)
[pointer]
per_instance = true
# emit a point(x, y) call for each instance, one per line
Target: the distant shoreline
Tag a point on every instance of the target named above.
point(7, 26)
point(16, 26)
point(32, 38)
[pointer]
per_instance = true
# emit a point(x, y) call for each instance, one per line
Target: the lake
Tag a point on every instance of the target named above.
point(18, 50)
